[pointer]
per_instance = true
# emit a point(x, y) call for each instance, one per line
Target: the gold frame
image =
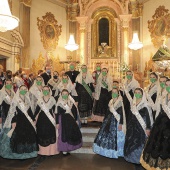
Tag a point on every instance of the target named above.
point(49, 39)
point(42, 61)
point(159, 27)
point(110, 15)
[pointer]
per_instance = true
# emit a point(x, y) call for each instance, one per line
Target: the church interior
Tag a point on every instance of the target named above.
point(121, 35)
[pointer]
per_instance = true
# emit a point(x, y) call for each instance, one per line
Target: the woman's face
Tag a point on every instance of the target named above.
point(138, 94)
point(114, 91)
point(168, 83)
point(23, 88)
point(8, 82)
point(153, 76)
point(65, 79)
point(55, 73)
point(65, 95)
point(46, 91)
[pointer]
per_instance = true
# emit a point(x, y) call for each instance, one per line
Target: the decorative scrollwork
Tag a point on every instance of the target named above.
point(49, 31)
point(159, 27)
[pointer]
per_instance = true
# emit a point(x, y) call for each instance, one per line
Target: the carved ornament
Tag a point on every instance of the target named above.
point(26, 2)
point(49, 31)
point(159, 27)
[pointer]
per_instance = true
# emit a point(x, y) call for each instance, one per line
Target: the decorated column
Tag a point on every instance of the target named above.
point(125, 37)
point(82, 29)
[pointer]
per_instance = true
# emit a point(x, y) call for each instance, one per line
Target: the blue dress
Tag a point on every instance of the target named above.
point(23, 142)
point(109, 142)
point(135, 136)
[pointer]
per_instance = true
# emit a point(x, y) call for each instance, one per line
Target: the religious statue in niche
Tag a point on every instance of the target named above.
point(104, 50)
point(49, 31)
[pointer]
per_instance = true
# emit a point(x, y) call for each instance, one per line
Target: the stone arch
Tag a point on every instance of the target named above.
point(115, 5)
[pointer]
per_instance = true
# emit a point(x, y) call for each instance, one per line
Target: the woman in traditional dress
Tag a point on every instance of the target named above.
point(102, 94)
point(6, 96)
point(85, 91)
point(138, 126)
point(129, 86)
point(19, 135)
point(36, 91)
point(53, 84)
point(160, 94)
point(151, 92)
point(110, 139)
point(46, 123)
point(70, 137)
point(67, 84)
point(156, 154)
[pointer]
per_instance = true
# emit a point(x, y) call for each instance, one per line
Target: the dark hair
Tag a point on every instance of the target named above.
point(8, 71)
point(7, 80)
point(65, 90)
point(116, 89)
point(115, 81)
point(129, 71)
point(64, 75)
point(22, 86)
point(47, 87)
point(153, 73)
point(40, 71)
point(31, 74)
point(163, 77)
point(56, 72)
point(39, 77)
point(105, 68)
point(167, 80)
point(139, 90)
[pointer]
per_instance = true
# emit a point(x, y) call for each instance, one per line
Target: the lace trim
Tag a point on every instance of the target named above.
point(44, 107)
point(150, 165)
point(165, 107)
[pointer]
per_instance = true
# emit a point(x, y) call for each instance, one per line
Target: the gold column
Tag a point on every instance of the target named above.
point(125, 37)
point(82, 46)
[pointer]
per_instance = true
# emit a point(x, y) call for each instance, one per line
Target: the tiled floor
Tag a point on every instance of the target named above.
point(71, 162)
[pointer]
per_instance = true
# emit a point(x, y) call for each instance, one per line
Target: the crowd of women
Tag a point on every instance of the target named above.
point(46, 119)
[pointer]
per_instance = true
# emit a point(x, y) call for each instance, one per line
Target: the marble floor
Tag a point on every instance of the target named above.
point(71, 162)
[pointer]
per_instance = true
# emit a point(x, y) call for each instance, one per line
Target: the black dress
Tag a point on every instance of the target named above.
point(46, 132)
point(156, 154)
point(72, 75)
point(4, 109)
point(23, 139)
point(135, 136)
point(101, 105)
point(85, 101)
point(127, 103)
point(70, 137)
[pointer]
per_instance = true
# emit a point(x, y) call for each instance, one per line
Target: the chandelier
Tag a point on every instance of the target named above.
point(135, 44)
point(71, 45)
point(7, 20)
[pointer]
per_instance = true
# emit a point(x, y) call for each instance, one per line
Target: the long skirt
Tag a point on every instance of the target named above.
point(109, 142)
point(156, 154)
point(66, 146)
point(6, 151)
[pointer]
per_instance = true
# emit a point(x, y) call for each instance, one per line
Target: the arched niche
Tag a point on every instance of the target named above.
point(104, 28)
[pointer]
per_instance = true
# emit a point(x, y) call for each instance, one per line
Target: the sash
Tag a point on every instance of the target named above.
point(87, 88)
point(8, 99)
point(151, 103)
point(116, 115)
point(46, 111)
point(24, 110)
point(140, 120)
point(104, 84)
point(166, 108)
point(97, 76)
